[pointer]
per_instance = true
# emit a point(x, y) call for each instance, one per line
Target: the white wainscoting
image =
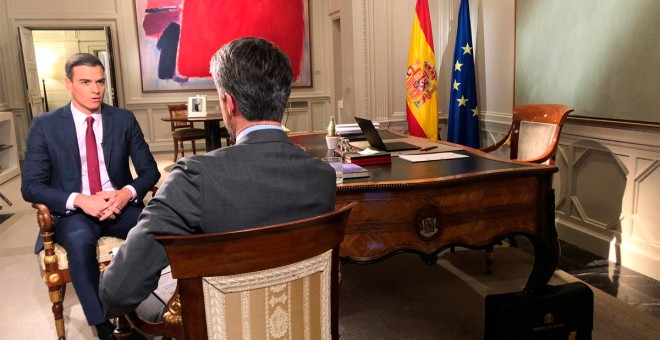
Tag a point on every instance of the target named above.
point(303, 114)
point(606, 189)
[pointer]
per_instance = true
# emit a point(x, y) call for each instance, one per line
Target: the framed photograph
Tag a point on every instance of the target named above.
point(176, 42)
point(197, 106)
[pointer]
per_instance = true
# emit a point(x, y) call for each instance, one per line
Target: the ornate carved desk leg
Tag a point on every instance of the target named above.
point(489, 260)
point(546, 249)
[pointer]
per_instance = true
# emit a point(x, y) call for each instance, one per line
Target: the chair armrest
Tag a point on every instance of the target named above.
point(146, 197)
point(161, 328)
point(171, 326)
point(548, 154)
point(45, 221)
point(497, 145)
point(44, 218)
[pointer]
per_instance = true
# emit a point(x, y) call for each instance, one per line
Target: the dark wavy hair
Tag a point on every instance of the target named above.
point(256, 74)
point(78, 59)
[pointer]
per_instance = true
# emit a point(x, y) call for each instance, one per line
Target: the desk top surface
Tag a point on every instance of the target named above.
point(401, 172)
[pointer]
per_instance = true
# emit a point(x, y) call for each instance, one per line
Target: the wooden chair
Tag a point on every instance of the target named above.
point(55, 267)
point(534, 133)
point(273, 282)
point(533, 137)
point(183, 131)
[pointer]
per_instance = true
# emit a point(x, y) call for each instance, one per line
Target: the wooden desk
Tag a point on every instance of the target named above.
point(427, 207)
point(211, 128)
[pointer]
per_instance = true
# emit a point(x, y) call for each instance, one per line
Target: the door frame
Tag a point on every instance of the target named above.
point(111, 43)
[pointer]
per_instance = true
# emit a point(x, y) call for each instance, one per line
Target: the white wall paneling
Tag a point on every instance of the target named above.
point(608, 192)
point(606, 189)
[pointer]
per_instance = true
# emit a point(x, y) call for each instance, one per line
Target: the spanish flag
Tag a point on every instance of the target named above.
point(421, 77)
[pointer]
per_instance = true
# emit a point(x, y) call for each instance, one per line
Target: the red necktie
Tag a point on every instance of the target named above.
point(93, 173)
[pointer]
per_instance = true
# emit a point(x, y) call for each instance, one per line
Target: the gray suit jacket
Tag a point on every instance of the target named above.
point(262, 180)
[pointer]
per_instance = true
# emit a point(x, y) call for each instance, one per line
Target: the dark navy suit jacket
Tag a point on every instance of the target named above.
point(52, 169)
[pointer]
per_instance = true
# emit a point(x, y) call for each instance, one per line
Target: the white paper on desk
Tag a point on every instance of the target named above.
point(166, 285)
point(369, 151)
point(425, 157)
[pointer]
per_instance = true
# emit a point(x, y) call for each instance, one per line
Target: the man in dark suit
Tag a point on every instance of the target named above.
point(261, 180)
point(77, 163)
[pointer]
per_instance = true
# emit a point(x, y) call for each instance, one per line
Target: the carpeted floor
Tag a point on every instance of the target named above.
point(400, 298)
point(403, 298)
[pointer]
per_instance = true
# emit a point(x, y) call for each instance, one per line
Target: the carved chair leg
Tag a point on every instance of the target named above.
point(339, 279)
point(194, 149)
point(176, 150)
point(489, 260)
point(56, 295)
point(183, 149)
point(123, 329)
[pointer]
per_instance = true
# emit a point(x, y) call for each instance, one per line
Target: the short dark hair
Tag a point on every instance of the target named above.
point(78, 59)
point(256, 74)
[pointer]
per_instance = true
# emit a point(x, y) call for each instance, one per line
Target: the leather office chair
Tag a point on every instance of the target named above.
point(273, 282)
point(183, 131)
point(54, 264)
point(533, 137)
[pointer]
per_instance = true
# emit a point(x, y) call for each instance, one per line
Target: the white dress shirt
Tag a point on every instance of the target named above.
point(80, 121)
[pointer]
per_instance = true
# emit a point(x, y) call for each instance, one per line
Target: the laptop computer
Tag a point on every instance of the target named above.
point(376, 141)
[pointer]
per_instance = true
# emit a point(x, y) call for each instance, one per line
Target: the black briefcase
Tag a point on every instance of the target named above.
point(562, 312)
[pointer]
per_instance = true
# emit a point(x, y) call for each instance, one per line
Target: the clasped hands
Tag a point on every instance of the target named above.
point(104, 205)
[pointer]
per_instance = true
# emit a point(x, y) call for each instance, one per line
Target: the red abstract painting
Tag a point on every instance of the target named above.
point(177, 38)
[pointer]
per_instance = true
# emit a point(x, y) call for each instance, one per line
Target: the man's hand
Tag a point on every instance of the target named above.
point(119, 199)
point(95, 206)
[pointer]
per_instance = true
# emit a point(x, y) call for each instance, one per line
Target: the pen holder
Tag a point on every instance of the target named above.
point(332, 142)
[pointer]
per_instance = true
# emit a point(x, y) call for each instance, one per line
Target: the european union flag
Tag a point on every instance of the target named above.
point(463, 121)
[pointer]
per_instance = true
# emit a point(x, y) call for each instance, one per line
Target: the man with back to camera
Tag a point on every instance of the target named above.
point(77, 163)
point(261, 180)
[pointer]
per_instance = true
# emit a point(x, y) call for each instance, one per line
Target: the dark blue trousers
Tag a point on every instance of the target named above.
point(78, 233)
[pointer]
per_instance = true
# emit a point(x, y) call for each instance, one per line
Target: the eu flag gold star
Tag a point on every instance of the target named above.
point(458, 65)
point(467, 49)
point(475, 112)
point(462, 101)
point(456, 84)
